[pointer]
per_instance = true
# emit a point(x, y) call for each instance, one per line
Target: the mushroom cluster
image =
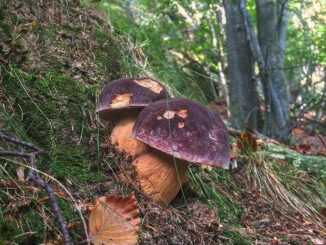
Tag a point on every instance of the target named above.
point(163, 135)
point(120, 102)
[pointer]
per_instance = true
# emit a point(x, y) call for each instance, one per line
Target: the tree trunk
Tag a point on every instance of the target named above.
point(271, 36)
point(244, 104)
point(221, 64)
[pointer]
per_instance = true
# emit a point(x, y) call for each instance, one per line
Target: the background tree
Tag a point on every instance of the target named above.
point(267, 51)
point(242, 90)
point(272, 25)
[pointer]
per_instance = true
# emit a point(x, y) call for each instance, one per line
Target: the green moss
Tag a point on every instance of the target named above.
point(3, 197)
point(73, 28)
point(54, 63)
point(2, 12)
point(68, 212)
point(50, 107)
point(5, 28)
point(100, 35)
point(69, 162)
point(106, 53)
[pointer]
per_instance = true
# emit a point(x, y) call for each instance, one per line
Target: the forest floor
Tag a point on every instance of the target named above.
point(54, 59)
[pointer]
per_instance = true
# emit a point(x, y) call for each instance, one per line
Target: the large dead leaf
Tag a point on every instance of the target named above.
point(114, 220)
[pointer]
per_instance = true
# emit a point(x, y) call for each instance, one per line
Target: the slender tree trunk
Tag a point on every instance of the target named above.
point(271, 36)
point(244, 104)
point(221, 64)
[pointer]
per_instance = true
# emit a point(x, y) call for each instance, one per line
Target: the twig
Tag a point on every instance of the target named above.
point(254, 133)
point(19, 142)
point(14, 153)
point(33, 177)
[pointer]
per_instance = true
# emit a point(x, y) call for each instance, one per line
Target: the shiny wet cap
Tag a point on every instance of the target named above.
point(186, 129)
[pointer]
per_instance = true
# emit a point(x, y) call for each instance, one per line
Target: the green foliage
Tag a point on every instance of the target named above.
point(50, 109)
point(157, 29)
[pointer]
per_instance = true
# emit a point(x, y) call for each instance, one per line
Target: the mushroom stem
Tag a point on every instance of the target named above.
point(157, 175)
point(120, 136)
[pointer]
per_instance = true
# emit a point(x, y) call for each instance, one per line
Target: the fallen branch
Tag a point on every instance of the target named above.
point(33, 177)
point(254, 133)
point(320, 122)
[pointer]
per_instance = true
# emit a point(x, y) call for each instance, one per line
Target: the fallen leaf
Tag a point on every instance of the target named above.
point(114, 220)
point(246, 142)
point(274, 241)
point(11, 218)
point(12, 183)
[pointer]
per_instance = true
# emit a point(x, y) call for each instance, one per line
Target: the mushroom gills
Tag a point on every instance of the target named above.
point(157, 175)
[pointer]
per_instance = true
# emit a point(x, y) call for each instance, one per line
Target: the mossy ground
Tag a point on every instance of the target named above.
point(52, 67)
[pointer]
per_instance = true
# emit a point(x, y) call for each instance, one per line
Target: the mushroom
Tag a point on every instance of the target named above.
point(121, 101)
point(180, 128)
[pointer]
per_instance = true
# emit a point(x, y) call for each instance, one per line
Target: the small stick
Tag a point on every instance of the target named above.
point(14, 153)
point(19, 142)
point(33, 177)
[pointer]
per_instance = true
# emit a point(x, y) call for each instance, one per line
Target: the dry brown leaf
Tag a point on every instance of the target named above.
point(246, 142)
point(114, 221)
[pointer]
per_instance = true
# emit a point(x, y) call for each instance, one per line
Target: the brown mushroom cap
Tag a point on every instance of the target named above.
point(128, 94)
point(195, 133)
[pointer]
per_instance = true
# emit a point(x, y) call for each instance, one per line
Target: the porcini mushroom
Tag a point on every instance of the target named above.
point(182, 128)
point(121, 101)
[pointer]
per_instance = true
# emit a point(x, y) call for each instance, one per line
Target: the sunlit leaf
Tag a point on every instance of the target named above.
point(246, 142)
point(114, 220)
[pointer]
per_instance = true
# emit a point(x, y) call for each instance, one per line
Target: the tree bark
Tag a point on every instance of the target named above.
point(271, 36)
point(244, 104)
point(221, 64)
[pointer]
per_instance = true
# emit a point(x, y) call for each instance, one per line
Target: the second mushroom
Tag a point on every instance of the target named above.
point(120, 102)
point(178, 131)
